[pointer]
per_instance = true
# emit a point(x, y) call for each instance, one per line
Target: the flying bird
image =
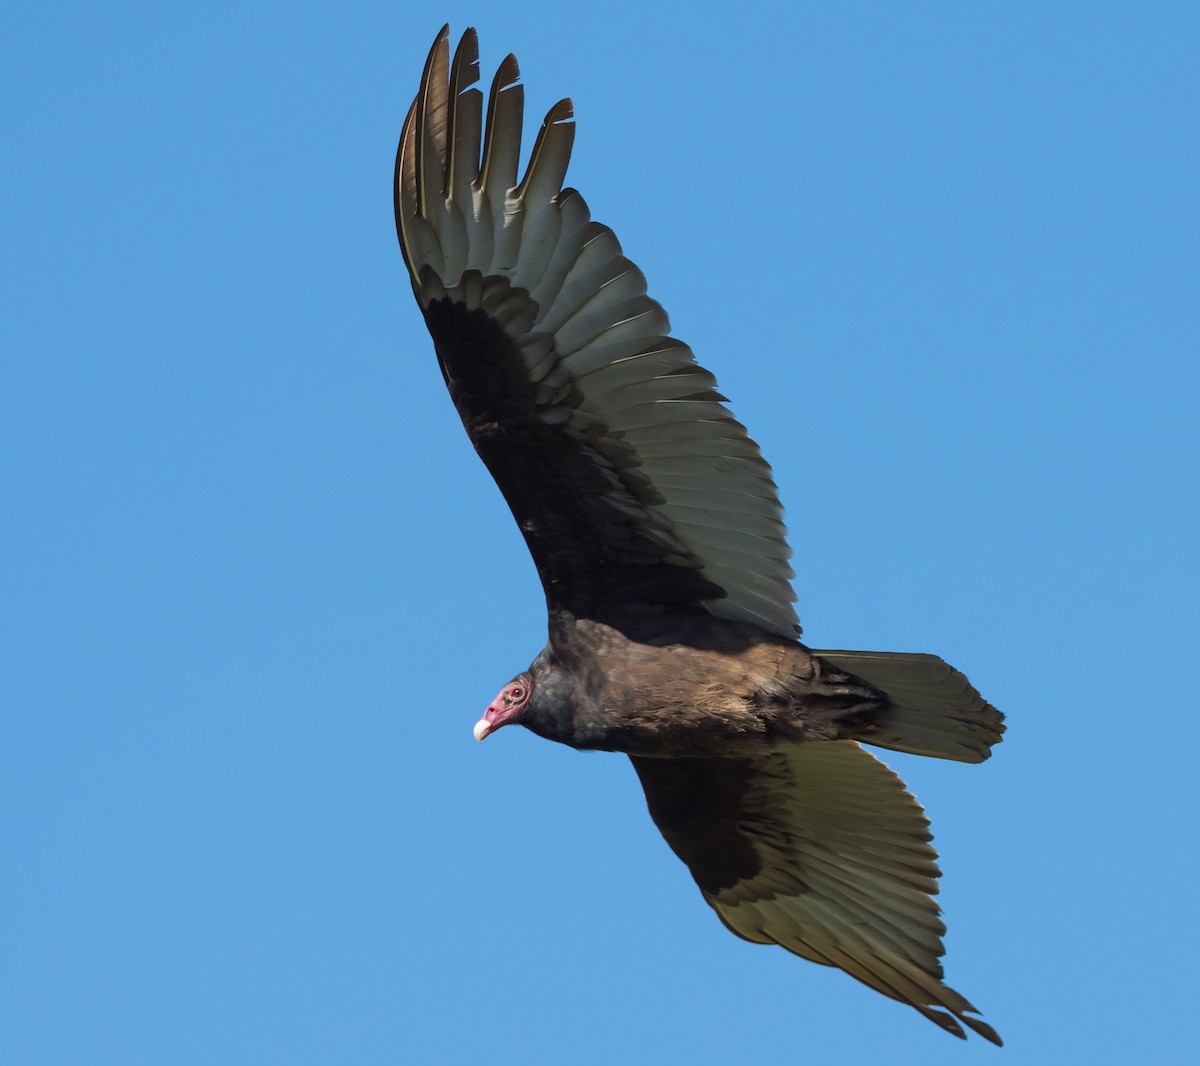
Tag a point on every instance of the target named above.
point(658, 535)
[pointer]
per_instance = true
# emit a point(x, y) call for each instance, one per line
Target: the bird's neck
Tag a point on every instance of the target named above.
point(564, 706)
point(560, 709)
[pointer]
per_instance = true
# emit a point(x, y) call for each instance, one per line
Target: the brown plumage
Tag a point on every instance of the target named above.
point(658, 536)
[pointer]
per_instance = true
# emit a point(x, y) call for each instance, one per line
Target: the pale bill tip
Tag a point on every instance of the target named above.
point(482, 729)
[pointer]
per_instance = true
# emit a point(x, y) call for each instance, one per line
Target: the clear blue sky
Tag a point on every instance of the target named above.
point(256, 587)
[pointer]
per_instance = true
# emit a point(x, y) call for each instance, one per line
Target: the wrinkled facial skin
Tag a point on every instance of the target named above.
point(506, 707)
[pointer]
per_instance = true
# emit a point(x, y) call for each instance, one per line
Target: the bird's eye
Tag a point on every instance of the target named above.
point(516, 692)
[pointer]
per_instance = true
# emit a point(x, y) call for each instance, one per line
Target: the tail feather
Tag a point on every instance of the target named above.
point(933, 709)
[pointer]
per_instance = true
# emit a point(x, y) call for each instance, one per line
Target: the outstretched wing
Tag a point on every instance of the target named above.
point(633, 485)
point(817, 848)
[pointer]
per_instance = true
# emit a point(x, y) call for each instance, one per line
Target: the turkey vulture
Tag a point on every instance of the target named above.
point(658, 536)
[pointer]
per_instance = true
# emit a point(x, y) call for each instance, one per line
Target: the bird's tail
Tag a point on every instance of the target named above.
point(932, 710)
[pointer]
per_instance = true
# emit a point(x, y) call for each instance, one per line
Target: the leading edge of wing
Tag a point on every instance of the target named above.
point(610, 444)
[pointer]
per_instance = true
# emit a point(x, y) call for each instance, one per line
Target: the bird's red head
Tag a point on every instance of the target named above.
point(508, 706)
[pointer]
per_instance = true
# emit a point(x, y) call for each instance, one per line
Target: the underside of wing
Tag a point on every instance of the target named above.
point(633, 484)
point(817, 848)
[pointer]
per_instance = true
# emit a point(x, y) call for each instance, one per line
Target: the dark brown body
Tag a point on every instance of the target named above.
point(690, 686)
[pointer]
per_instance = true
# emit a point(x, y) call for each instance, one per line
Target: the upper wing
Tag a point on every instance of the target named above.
point(631, 481)
point(817, 848)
